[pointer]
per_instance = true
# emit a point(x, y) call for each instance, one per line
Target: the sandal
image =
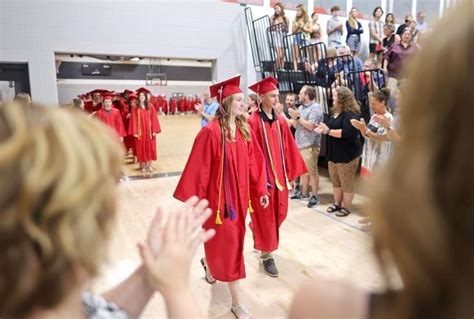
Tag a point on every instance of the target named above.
point(343, 212)
point(333, 208)
point(240, 311)
point(210, 280)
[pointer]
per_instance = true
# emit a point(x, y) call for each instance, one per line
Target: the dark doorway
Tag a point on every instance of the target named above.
point(17, 76)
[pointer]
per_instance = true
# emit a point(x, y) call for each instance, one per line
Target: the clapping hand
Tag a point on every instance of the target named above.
point(360, 125)
point(321, 128)
point(293, 113)
point(171, 245)
point(382, 120)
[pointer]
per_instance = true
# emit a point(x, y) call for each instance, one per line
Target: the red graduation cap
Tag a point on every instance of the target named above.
point(143, 90)
point(132, 96)
point(127, 92)
point(266, 85)
point(225, 88)
point(96, 91)
point(108, 96)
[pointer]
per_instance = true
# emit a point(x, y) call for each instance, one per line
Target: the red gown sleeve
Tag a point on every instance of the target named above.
point(133, 125)
point(294, 163)
point(258, 178)
point(196, 175)
point(119, 124)
point(155, 122)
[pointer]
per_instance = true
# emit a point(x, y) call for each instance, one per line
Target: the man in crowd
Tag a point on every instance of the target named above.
point(207, 112)
point(305, 119)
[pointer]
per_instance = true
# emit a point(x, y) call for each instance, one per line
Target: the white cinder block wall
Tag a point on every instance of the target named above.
point(32, 30)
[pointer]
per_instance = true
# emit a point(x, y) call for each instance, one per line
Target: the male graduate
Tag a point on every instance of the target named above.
point(111, 116)
point(283, 164)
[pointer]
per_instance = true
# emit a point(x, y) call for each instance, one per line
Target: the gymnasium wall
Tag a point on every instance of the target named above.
point(32, 31)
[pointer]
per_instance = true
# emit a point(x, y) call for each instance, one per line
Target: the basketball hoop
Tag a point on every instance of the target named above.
point(156, 79)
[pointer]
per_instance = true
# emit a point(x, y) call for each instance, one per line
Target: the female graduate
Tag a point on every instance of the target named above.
point(224, 167)
point(144, 126)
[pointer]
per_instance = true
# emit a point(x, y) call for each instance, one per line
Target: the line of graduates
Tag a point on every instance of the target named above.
point(175, 105)
point(134, 119)
point(242, 166)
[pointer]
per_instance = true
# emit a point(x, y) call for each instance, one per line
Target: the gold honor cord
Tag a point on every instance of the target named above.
point(218, 212)
point(288, 185)
point(277, 182)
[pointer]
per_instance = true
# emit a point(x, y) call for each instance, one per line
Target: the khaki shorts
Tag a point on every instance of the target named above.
point(343, 175)
point(310, 156)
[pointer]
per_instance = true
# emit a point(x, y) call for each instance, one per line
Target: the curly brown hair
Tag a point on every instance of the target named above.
point(58, 173)
point(346, 101)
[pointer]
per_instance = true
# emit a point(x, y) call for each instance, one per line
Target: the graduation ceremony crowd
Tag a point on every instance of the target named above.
point(255, 154)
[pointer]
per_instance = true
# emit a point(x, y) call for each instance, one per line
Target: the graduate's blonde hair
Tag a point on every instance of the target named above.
point(58, 174)
point(240, 121)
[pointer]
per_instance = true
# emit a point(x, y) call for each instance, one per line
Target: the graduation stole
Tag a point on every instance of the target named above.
point(139, 123)
point(272, 164)
point(224, 170)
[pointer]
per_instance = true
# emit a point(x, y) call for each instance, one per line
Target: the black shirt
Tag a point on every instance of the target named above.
point(401, 28)
point(387, 42)
point(265, 117)
point(348, 147)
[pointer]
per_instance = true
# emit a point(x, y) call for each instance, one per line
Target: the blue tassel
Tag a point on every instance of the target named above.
point(226, 212)
point(232, 213)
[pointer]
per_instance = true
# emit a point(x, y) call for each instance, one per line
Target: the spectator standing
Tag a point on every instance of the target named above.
point(377, 148)
point(396, 57)
point(376, 35)
point(207, 112)
point(316, 31)
point(280, 23)
point(304, 120)
point(334, 28)
point(343, 149)
point(421, 25)
point(354, 30)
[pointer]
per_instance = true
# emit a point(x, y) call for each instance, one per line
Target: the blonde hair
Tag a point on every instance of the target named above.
point(304, 14)
point(240, 121)
point(58, 173)
point(352, 21)
point(423, 209)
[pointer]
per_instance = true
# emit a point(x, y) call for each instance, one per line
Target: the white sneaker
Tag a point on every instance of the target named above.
point(241, 312)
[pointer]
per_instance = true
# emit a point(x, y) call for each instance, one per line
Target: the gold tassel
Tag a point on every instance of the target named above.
point(278, 185)
point(218, 218)
point(250, 207)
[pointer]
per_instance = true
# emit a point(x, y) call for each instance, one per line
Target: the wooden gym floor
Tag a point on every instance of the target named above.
point(313, 243)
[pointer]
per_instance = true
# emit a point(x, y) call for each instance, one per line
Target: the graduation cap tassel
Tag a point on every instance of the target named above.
point(232, 213)
point(226, 212)
point(250, 207)
point(218, 217)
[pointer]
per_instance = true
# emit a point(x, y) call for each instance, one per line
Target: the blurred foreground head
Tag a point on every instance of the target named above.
point(58, 173)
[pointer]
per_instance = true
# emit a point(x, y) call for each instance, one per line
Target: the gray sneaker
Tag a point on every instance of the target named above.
point(313, 201)
point(269, 267)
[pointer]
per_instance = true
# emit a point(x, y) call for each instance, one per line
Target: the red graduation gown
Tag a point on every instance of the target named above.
point(90, 107)
point(181, 105)
point(144, 123)
point(112, 118)
point(266, 222)
point(201, 176)
point(126, 115)
point(172, 106)
point(164, 105)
